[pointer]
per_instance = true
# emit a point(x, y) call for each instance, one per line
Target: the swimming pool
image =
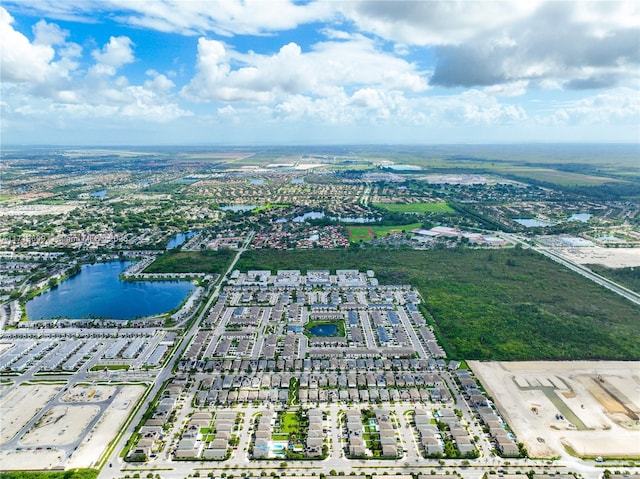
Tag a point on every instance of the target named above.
point(278, 447)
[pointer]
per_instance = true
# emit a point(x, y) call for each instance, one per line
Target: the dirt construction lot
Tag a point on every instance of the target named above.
point(96, 442)
point(89, 414)
point(60, 425)
point(610, 257)
point(21, 404)
point(588, 408)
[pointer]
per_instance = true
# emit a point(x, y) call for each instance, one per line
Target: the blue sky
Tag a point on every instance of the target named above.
point(138, 72)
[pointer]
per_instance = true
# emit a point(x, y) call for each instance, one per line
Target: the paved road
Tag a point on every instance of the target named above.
point(411, 463)
point(366, 194)
point(587, 273)
point(166, 373)
point(336, 448)
point(239, 463)
point(410, 330)
point(581, 270)
point(474, 428)
point(365, 321)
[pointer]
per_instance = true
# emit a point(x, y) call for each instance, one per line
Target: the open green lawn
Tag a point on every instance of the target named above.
point(269, 206)
point(110, 367)
point(192, 262)
point(385, 230)
point(360, 233)
point(416, 207)
point(366, 233)
point(491, 304)
point(289, 423)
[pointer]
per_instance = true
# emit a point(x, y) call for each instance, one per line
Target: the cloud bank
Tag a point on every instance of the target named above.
point(447, 66)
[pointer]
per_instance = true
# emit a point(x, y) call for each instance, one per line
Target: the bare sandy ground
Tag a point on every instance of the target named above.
point(590, 407)
point(35, 210)
point(20, 405)
point(32, 460)
point(60, 425)
point(63, 424)
point(610, 257)
point(88, 393)
point(97, 441)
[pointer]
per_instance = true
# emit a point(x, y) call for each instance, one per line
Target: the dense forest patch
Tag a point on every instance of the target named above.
point(507, 304)
point(206, 261)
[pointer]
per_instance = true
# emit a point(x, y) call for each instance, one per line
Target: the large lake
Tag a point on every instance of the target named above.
point(98, 292)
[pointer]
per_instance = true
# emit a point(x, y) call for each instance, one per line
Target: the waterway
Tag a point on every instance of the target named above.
point(237, 208)
point(532, 223)
point(312, 215)
point(403, 167)
point(179, 239)
point(583, 217)
point(98, 292)
point(318, 215)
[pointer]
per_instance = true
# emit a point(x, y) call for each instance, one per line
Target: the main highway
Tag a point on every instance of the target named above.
point(578, 268)
point(166, 371)
point(473, 469)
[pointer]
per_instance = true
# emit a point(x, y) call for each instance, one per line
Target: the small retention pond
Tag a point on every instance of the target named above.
point(324, 330)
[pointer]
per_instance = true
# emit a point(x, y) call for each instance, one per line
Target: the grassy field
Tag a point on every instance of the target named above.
point(270, 206)
point(385, 230)
point(191, 262)
point(360, 233)
point(565, 165)
point(289, 423)
point(492, 305)
point(111, 367)
point(416, 207)
point(366, 233)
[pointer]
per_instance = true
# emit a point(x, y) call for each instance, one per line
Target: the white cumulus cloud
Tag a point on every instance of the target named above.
point(115, 54)
point(618, 105)
point(23, 61)
point(327, 65)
